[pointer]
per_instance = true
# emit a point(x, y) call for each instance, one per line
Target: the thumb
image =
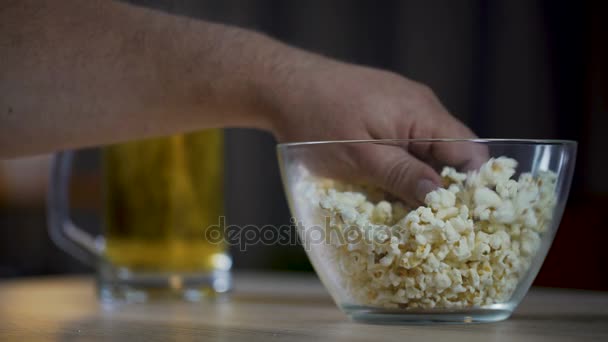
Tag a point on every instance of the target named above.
point(395, 170)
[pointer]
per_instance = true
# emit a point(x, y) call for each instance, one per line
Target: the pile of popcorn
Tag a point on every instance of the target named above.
point(469, 245)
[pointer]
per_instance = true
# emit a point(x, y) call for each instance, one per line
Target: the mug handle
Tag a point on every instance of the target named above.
point(69, 237)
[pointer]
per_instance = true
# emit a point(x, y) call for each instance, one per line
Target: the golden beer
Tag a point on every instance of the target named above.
point(159, 197)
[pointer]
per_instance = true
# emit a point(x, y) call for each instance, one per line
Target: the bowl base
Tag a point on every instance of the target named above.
point(373, 315)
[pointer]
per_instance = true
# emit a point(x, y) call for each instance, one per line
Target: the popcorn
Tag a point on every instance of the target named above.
point(450, 234)
point(382, 213)
point(450, 175)
point(469, 245)
point(461, 250)
point(507, 189)
point(505, 212)
point(486, 198)
point(498, 170)
point(442, 281)
point(441, 198)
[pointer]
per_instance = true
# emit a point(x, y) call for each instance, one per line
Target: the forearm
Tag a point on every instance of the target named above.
point(77, 73)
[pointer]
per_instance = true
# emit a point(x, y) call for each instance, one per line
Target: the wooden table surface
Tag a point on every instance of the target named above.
point(267, 307)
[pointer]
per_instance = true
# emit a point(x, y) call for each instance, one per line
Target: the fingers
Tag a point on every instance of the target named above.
point(434, 122)
point(465, 155)
point(397, 172)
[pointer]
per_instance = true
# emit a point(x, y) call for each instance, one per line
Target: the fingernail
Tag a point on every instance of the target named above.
point(424, 187)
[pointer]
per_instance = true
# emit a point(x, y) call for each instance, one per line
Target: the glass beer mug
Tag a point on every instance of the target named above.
point(159, 200)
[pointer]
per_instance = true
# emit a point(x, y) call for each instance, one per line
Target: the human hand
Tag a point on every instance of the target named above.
point(328, 100)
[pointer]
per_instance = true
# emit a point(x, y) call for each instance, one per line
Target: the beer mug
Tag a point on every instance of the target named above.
point(154, 202)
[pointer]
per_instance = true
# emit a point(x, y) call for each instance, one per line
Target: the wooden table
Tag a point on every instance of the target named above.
point(271, 308)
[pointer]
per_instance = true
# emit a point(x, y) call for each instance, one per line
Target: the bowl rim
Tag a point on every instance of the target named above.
point(434, 140)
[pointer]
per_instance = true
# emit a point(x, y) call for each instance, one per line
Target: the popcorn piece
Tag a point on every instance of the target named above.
point(442, 281)
point(382, 213)
point(440, 198)
point(446, 213)
point(507, 189)
point(486, 198)
point(366, 209)
point(505, 212)
point(498, 170)
point(460, 251)
point(441, 251)
point(451, 235)
point(452, 176)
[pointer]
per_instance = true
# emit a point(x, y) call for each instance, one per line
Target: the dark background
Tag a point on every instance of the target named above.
point(509, 69)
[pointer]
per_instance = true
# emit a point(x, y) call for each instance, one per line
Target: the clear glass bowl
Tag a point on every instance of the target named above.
point(468, 254)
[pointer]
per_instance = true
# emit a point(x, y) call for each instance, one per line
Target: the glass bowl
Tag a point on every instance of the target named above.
point(468, 253)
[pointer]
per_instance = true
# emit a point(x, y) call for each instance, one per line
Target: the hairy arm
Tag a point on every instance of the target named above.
point(76, 73)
